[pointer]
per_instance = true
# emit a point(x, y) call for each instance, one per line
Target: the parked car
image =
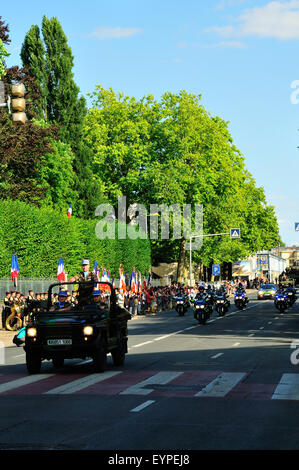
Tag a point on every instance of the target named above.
point(266, 291)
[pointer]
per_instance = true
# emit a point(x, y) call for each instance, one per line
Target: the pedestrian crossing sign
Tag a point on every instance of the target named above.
point(296, 226)
point(235, 233)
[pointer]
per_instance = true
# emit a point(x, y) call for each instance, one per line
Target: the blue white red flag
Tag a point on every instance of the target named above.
point(149, 279)
point(133, 282)
point(14, 269)
point(60, 271)
point(122, 280)
point(69, 211)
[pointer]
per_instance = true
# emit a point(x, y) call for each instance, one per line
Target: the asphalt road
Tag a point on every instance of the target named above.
point(232, 384)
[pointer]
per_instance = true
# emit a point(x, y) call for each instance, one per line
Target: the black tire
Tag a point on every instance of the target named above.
point(58, 362)
point(33, 362)
point(100, 358)
point(118, 354)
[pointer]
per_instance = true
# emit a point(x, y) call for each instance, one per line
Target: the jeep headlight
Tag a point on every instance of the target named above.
point(32, 332)
point(88, 330)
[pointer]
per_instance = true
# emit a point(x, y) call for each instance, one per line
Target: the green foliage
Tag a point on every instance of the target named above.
point(40, 236)
point(3, 54)
point(175, 152)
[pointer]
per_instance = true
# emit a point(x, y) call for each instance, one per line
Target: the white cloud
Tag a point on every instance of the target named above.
point(276, 19)
point(234, 44)
point(104, 32)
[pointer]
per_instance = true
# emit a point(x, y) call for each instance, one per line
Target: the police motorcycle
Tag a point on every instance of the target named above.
point(281, 301)
point(240, 298)
point(222, 303)
point(210, 296)
point(291, 294)
point(181, 303)
point(202, 307)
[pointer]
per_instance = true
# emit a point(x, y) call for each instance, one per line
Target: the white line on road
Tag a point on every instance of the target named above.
point(142, 406)
point(261, 327)
point(236, 344)
point(288, 388)
point(251, 334)
point(24, 381)
point(220, 386)
point(161, 378)
point(79, 384)
point(217, 355)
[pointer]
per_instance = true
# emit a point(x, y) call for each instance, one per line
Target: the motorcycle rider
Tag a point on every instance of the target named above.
point(201, 294)
point(241, 289)
point(290, 289)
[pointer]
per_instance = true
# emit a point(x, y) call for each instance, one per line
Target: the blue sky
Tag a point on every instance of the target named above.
point(242, 56)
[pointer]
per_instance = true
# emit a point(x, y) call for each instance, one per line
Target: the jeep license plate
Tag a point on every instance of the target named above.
point(59, 342)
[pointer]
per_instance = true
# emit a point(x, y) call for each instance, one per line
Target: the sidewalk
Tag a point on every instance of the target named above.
point(6, 337)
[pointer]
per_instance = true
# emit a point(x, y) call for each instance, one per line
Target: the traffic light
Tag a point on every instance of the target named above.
point(18, 103)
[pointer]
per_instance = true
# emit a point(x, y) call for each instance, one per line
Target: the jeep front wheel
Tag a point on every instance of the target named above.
point(100, 359)
point(33, 362)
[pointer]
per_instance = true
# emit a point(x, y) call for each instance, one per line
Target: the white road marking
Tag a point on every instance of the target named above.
point(261, 327)
point(251, 334)
point(221, 385)
point(24, 381)
point(217, 355)
point(82, 383)
point(288, 388)
point(142, 344)
point(236, 344)
point(142, 406)
point(161, 378)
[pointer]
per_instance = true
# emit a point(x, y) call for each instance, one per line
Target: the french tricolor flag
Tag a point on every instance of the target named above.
point(14, 269)
point(60, 271)
point(69, 211)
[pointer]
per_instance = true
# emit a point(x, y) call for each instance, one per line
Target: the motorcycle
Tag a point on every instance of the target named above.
point(281, 302)
point(222, 304)
point(202, 310)
point(240, 300)
point(291, 298)
point(181, 305)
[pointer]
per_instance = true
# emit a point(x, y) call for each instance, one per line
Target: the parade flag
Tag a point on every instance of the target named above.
point(69, 211)
point(14, 269)
point(60, 271)
point(149, 279)
point(96, 272)
point(133, 282)
point(122, 280)
point(105, 276)
point(144, 280)
point(139, 282)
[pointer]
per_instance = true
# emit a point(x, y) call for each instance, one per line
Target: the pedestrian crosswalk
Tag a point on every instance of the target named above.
point(195, 384)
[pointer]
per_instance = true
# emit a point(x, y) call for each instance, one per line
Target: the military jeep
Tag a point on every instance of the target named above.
point(83, 331)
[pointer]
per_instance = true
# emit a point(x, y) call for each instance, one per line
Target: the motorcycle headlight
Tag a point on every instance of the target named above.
point(202, 306)
point(88, 330)
point(32, 332)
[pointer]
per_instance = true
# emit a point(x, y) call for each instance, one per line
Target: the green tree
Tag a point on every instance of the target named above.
point(4, 39)
point(50, 61)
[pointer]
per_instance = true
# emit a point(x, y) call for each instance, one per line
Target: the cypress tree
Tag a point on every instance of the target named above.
point(51, 62)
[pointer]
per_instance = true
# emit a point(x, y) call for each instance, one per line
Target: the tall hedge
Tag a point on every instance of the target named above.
point(40, 236)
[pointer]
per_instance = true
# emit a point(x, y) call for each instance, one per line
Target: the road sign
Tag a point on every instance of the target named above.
point(216, 269)
point(235, 233)
point(296, 226)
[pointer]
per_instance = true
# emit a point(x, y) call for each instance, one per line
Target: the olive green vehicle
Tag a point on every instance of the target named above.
point(84, 331)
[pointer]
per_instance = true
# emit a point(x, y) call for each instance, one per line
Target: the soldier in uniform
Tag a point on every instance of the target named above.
point(62, 303)
point(102, 306)
point(85, 292)
point(6, 308)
